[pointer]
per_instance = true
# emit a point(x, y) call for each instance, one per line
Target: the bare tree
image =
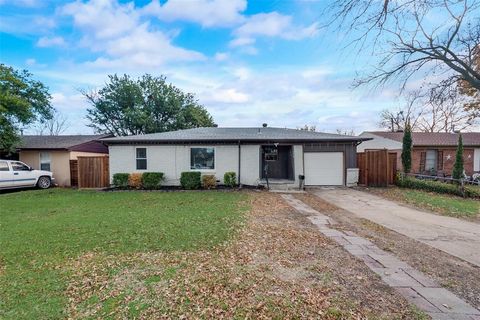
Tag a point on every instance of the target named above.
point(308, 128)
point(434, 38)
point(435, 111)
point(54, 126)
point(395, 120)
point(345, 132)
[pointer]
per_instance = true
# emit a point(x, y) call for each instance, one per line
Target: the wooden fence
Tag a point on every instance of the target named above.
point(377, 168)
point(91, 172)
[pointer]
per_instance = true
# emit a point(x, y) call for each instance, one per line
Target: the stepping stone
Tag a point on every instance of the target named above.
point(340, 240)
point(396, 278)
point(354, 249)
point(389, 261)
point(451, 316)
point(423, 279)
point(413, 297)
point(446, 301)
point(358, 240)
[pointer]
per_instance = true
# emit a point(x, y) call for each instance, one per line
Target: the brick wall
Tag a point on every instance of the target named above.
point(448, 159)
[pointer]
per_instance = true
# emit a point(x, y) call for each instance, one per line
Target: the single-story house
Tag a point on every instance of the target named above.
point(432, 152)
point(322, 158)
point(53, 153)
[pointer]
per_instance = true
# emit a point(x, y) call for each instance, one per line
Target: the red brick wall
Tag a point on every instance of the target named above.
point(448, 159)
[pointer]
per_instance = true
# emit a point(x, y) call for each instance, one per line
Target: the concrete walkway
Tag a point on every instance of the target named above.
point(415, 286)
point(454, 236)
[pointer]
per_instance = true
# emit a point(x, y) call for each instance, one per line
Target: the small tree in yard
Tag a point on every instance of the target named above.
point(407, 149)
point(458, 167)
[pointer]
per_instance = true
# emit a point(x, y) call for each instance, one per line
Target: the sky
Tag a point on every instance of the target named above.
point(247, 62)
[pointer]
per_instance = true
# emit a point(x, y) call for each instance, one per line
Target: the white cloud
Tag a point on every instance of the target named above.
point(30, 62)
point(23, 3)
point(226, 96)
point(45, 42)
point(271, 24)
point(243, 41)
point(221, 56)
point(103, 18)
point(208, 13)
point(117, 32)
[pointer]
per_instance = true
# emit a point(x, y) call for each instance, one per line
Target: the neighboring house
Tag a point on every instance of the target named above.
point(53, 153)
point(324, 159)
point(433, 152)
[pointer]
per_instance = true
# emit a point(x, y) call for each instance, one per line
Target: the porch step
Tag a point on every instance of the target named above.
point(280, 185)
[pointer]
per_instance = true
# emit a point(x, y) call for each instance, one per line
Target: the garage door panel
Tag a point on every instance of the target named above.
point(324, 168)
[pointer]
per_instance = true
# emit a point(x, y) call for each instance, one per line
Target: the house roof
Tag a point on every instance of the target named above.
point(61, 142)
point(214, 134)
point(440, 139)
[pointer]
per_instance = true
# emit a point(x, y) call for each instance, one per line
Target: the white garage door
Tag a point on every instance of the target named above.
point(323, 168)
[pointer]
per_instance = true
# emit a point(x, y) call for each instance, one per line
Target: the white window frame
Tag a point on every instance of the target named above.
point(40, 161)
point(202, 147)
point(146, 158)
point(435, 159)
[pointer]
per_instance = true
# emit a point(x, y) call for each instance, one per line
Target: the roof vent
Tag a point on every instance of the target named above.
point(264, 125)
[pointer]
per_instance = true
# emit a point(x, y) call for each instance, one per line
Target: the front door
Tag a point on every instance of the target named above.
point(23, 175)
point(277, 162)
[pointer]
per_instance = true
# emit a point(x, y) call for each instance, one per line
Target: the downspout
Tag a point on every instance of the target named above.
point(239, 163)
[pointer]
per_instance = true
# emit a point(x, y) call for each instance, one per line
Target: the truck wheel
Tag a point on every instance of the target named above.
point(44, 182)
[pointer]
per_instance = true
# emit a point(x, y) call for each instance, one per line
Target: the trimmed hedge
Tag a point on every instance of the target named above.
point(230, 179)
point(152, 180)
point(120, 180)
point(209, 181)
point(438, 187)
point(191, 180)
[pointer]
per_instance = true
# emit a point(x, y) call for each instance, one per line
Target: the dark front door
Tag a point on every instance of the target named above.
point(277, 162)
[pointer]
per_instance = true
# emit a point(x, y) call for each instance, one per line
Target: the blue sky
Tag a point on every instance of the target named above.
point(247, 62)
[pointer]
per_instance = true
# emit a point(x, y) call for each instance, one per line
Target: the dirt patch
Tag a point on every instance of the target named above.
point(277, 266)
point(452, 273)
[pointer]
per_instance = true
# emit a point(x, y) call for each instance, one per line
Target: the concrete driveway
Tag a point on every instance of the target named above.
point(454, 236)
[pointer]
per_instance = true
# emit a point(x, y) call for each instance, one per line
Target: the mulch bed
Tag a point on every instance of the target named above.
point(460, 277)
point(277, 266)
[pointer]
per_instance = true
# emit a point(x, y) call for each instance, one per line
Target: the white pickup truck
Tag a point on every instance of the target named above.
point(16, 174)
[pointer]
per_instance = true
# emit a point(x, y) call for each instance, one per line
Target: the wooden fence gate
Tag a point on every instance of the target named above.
point(377, 168)
point(92, 172)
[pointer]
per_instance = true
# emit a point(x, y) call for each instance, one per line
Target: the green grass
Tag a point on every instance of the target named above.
point(443, 204)
point(40, 231)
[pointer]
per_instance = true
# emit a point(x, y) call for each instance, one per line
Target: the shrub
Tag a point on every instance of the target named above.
point(438, 187)
point(152, 180)
point(191, 180)
point(209, 181)
point(407, 149)
point(135, 180)
point(120, 180)
point(230, 179)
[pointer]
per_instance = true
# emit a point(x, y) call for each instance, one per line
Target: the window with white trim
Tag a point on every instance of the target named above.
point(141, 158)
point(431, 160)
point(45, 161)
point(202, 158)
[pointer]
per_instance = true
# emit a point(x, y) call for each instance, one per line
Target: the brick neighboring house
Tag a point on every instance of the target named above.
point(53, 153)
point(433, 152)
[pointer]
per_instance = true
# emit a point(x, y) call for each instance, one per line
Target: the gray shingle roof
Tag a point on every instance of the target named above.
point(233, 135)
point(56, 142)
point(443, 139)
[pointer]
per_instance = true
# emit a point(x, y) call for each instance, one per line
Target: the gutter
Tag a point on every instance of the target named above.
point(239, 163)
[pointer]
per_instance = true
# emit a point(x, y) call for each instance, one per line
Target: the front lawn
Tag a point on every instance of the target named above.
point(43, 234)
point(443, 204)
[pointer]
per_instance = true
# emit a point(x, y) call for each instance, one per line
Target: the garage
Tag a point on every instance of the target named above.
point(324, 168)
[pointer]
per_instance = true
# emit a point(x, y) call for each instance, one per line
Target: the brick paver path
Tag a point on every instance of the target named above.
point(415, 286)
